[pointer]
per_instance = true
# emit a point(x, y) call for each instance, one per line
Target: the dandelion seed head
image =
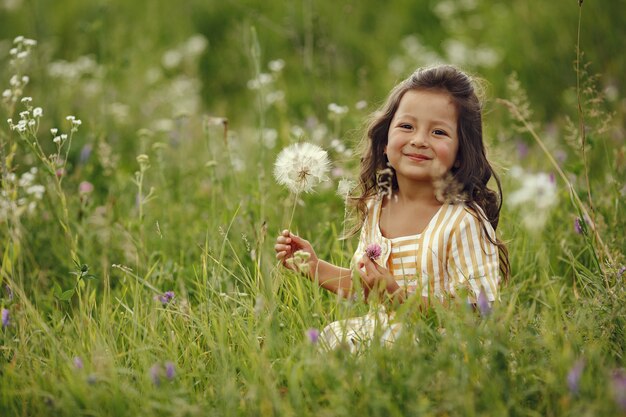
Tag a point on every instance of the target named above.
point(345, 187)
point(301, 166)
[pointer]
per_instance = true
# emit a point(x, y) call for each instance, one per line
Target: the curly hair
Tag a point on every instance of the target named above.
point(471, 170)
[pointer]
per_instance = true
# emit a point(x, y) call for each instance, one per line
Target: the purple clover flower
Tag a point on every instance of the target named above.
point(522, 150)
point(166, 297)
point(170, 370)
point(6, 318)
point(483, 303)
point(618, 383)
point(313, 335)
point(373, 251)
point(155, 374)
point(573, 376)
point(85, 152)
point(578, 227)
point(78, 362)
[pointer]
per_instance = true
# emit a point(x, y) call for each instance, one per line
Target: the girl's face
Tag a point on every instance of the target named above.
point(422, 141)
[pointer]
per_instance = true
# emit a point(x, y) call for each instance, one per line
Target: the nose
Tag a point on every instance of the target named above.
point(419, 139)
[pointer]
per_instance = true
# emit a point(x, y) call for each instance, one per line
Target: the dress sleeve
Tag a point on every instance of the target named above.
point(472, 259)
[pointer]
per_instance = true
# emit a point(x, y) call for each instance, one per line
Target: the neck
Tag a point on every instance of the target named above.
point(424, 193)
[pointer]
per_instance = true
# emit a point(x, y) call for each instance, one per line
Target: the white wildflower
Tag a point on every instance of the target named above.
point(54, 131)
point(337, 110)
point(269, 138)
point(536, 196)
point(301, 166)
point(57, 139)
point(37, 112)
point(276, 65)
point(26, 100)
point(70, 118)
point(361, 105)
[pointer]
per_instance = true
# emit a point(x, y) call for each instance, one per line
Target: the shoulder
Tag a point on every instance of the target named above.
point(471, 217)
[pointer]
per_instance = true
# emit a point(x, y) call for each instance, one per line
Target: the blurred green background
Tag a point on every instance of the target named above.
point(334, 51)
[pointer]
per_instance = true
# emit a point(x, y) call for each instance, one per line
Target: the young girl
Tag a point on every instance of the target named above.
point(429, 229)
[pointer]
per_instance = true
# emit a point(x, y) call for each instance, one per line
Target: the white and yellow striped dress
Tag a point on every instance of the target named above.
point(452, 252)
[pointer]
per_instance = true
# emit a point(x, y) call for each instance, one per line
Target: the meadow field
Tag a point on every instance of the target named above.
point(138, 208)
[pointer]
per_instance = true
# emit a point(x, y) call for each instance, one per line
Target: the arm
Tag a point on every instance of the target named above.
point(328, 276)
point(473, 259)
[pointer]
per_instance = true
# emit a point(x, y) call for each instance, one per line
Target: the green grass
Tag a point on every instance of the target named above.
point(199, 218)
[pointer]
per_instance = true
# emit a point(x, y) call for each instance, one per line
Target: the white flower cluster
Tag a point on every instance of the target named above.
point(187, 51)
point(19, 53)
point(337, 111)
point(338, 146)
point(72, 71)
point(29, 118)
point(265, 82)
point(536, 196)
point(301, 166)
point(20, 195)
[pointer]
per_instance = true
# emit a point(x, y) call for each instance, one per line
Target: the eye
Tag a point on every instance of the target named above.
point(440, 132)
point(406, 126)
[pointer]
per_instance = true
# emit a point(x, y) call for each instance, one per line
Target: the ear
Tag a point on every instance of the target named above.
point(457, 164)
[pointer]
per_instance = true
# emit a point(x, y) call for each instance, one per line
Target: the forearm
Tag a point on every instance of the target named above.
point(332, 277)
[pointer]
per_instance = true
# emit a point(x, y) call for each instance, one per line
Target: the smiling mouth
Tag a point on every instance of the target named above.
point(418, 157)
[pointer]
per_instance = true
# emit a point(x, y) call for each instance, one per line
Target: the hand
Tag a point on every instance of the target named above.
point(377, 278)
point(287, 244)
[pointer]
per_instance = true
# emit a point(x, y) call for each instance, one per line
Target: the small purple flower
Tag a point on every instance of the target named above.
point(85, 153)
point(578, 227)
point(618, 382)
point(166, 297)
point(78, 362)
point(313, 335)
point(6, 318)
point(155, 374)
point(85, 187)
point(621, 271)
point(483, 303)
point(373, 251)
point(170, 370)
point(522, 150)
point(573, 376)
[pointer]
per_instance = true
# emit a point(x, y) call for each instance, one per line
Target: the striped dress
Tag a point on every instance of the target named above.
point(451, 253)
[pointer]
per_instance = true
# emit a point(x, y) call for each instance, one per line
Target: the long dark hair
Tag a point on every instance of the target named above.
point(471, 170)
